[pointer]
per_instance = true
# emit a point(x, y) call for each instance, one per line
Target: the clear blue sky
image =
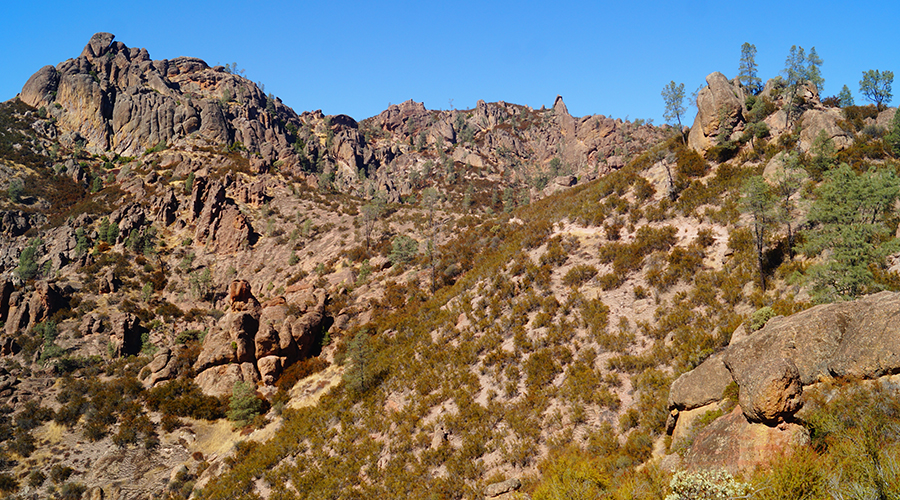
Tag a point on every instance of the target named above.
point(356, 57)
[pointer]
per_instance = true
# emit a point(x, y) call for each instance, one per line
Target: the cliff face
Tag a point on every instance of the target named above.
point(115, 98)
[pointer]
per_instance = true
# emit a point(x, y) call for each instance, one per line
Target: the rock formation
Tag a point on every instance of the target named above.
point(720, 106)
point(857, 340)
point(254, 343)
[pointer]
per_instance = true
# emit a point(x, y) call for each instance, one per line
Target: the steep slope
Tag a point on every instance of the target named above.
point(424, 303)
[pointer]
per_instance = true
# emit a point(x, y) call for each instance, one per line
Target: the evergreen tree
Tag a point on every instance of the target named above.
point(371, 212)
point(876, 86)
point(673, 96)
point(747, 69)
point(403, 249)
point(28, 267)
point(892, 139)
point(788, 180)
point(359, 375)
point(759, 202)
point(845, 98)
point(244, 406)
point(813, 69)
point(850, 231)
point(794, 74)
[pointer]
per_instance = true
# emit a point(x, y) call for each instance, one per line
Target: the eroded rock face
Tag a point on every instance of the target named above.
point(734, 444)
point(120, 100)
point(823, 121)
point(126, 335)
point(263, 341)
point(26, 310)
point(221, 226)
point(700, 386)
point(720, 105)
point(858, 339)
point(770, 392)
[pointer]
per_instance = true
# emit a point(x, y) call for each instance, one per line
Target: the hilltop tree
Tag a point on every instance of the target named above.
point(813, 70)
point(876, 86)
point(849, 219)
point(794, 73)
point(845, 98)
point(673, 96)
point(747, 69)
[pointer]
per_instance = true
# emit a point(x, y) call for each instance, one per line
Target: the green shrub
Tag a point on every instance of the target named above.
point(244, 405)
point(760, 317)
point(28, 267)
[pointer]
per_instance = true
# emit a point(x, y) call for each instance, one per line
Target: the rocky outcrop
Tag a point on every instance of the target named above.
point(720, 106)
point(700, 386)
point(220, 224)
point(495, 490)
point(769, 392)
point(26, 310)
point(126, 334)
point(120, 100)
point(824, 121)
point(857, 340)
point(734, 444)
point(263, 340)
point(240, 297)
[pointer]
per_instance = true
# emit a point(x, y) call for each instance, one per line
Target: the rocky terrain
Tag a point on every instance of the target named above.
point(206, 294)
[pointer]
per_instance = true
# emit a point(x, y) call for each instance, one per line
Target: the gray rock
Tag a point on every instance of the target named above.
point(497, 489)
point(700, 386)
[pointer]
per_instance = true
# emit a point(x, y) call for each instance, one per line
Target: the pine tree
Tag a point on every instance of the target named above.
point(673, 96)
point(244, 406)
point(747, 69)
point(794, 73)
point(788, 180)
point(759, 202)
point(813, 69)
point(845, 98)
point(359, 375)
point(849, 224)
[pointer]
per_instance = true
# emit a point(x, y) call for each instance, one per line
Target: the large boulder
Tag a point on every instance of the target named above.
point(240, 296)
point(720, 105)
point(700, 386)
point(858, 339)
point(220, 380)
point(769, 392)
point(818, 121)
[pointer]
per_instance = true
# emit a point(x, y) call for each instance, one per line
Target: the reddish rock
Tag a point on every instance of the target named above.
point(220, 380)
point(218, 349)
point(270, 368)
point(240, 297)
point(734, 444)
point(126, 335)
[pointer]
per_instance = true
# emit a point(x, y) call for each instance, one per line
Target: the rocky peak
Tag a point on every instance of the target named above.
point(117, 99)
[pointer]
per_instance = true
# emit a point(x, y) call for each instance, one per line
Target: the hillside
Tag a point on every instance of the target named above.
point(206, 294)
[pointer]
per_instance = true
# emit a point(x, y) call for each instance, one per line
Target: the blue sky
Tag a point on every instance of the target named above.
point(356, 58)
